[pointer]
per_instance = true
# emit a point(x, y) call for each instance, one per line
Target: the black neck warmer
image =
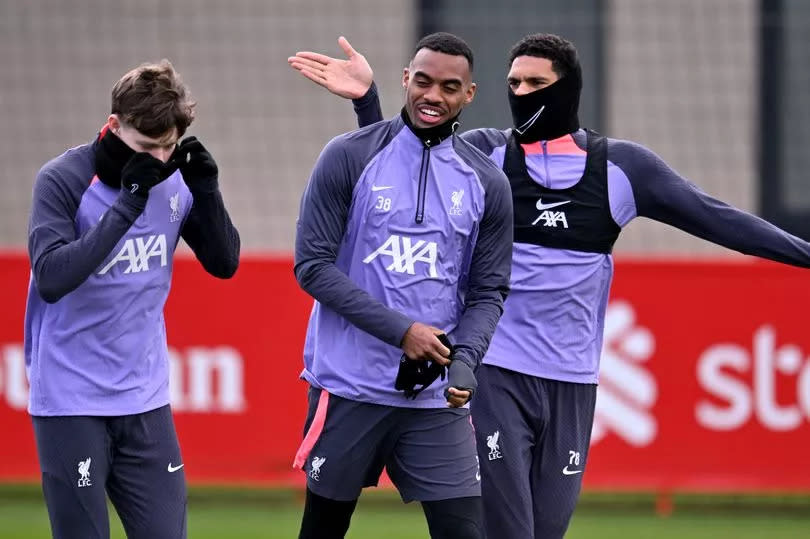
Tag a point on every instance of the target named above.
point(112, 154)
point(432, 136)
point(548, 113)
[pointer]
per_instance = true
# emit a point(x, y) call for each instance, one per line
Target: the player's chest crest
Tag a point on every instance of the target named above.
point(407, 204)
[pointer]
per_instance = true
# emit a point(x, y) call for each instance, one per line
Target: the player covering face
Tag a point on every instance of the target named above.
point(106, 217)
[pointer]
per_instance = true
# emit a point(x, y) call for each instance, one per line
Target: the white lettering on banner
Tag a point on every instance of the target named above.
point(13, 381)
point(137, 253)
point(201, 380)
point(204, 367)
point(743, 399)
point(404, 254)
point(628, 392)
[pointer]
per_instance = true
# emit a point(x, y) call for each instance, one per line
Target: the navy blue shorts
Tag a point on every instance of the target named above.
point(135, 459)
point(533, 436)
point(429, 453)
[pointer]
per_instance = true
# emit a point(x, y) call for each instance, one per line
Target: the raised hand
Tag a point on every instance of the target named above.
point(141, 173)
point(194, 161)
point(350, 78)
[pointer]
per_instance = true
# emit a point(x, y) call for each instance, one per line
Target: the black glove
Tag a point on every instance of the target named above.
point(141, 173)
point(460, 376)
point(194, 161)
point(413, 373)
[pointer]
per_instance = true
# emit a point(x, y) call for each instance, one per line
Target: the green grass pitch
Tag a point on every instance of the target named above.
point(271, 514)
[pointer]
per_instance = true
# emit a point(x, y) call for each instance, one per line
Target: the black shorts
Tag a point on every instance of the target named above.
point(429, 453)
point(533, 436)
point(135, 459)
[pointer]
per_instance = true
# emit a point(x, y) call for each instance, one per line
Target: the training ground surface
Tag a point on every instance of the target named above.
point(270, 514)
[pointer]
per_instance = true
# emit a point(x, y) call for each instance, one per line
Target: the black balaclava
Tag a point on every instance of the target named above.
point(548, 113)
point(112, 154)
point(432, 136)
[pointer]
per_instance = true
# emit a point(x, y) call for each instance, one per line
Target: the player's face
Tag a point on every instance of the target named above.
point(160, 148)
point(437, 87)
point(530, 73)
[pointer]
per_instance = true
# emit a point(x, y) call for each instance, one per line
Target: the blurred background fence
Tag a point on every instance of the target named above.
point(694, 80)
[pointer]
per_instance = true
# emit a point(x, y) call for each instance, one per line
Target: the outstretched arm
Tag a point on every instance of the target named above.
point(351, 79)
point(662, 194)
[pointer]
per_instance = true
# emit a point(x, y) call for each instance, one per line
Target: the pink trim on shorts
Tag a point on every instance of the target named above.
point(314, 431)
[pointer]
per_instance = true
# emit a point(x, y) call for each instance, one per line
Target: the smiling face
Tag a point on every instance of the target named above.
point(437, 87)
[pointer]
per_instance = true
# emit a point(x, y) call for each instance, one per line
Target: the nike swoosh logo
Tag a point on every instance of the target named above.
point(173, 469)
point(566, 471)
point(541, 206)
point(381, 187)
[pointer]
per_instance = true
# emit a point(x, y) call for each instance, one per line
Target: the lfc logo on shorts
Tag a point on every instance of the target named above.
point(494, 448)
point(315, 469)
point(84, 473)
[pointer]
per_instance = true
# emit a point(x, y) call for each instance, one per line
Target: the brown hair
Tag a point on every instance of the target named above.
point(153, 99)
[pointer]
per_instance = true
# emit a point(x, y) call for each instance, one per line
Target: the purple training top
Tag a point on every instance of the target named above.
point(101, 259)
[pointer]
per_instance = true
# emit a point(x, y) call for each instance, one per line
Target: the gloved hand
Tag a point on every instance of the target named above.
point(460, 376)
point(141, 173)
point(413, 373)
point(194, 161)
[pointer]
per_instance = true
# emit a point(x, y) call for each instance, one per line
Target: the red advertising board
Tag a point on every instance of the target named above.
point(236, 348)
point(705, 379)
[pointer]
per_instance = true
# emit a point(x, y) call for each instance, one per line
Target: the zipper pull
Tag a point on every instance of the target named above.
point(421, 188)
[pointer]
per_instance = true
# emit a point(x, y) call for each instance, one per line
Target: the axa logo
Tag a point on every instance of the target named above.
point(137, 253)
point(551, 218)
point(84, 473)
point(627, 391)
point(405, 254)
point(202, 380)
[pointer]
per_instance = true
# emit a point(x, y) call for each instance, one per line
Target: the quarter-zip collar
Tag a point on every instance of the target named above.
point(429, 139)
point(431, 136)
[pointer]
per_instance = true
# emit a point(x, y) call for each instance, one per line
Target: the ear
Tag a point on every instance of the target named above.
point(470, 93)
point(115, 124)
point(406, 76)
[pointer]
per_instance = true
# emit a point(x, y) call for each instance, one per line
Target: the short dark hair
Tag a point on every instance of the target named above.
point(446, 43)
point(153, 99)
point(561, 52)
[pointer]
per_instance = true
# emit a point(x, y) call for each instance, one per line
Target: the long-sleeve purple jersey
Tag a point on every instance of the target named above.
point(391, 232)
point(554, 316)
point(101, 265)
